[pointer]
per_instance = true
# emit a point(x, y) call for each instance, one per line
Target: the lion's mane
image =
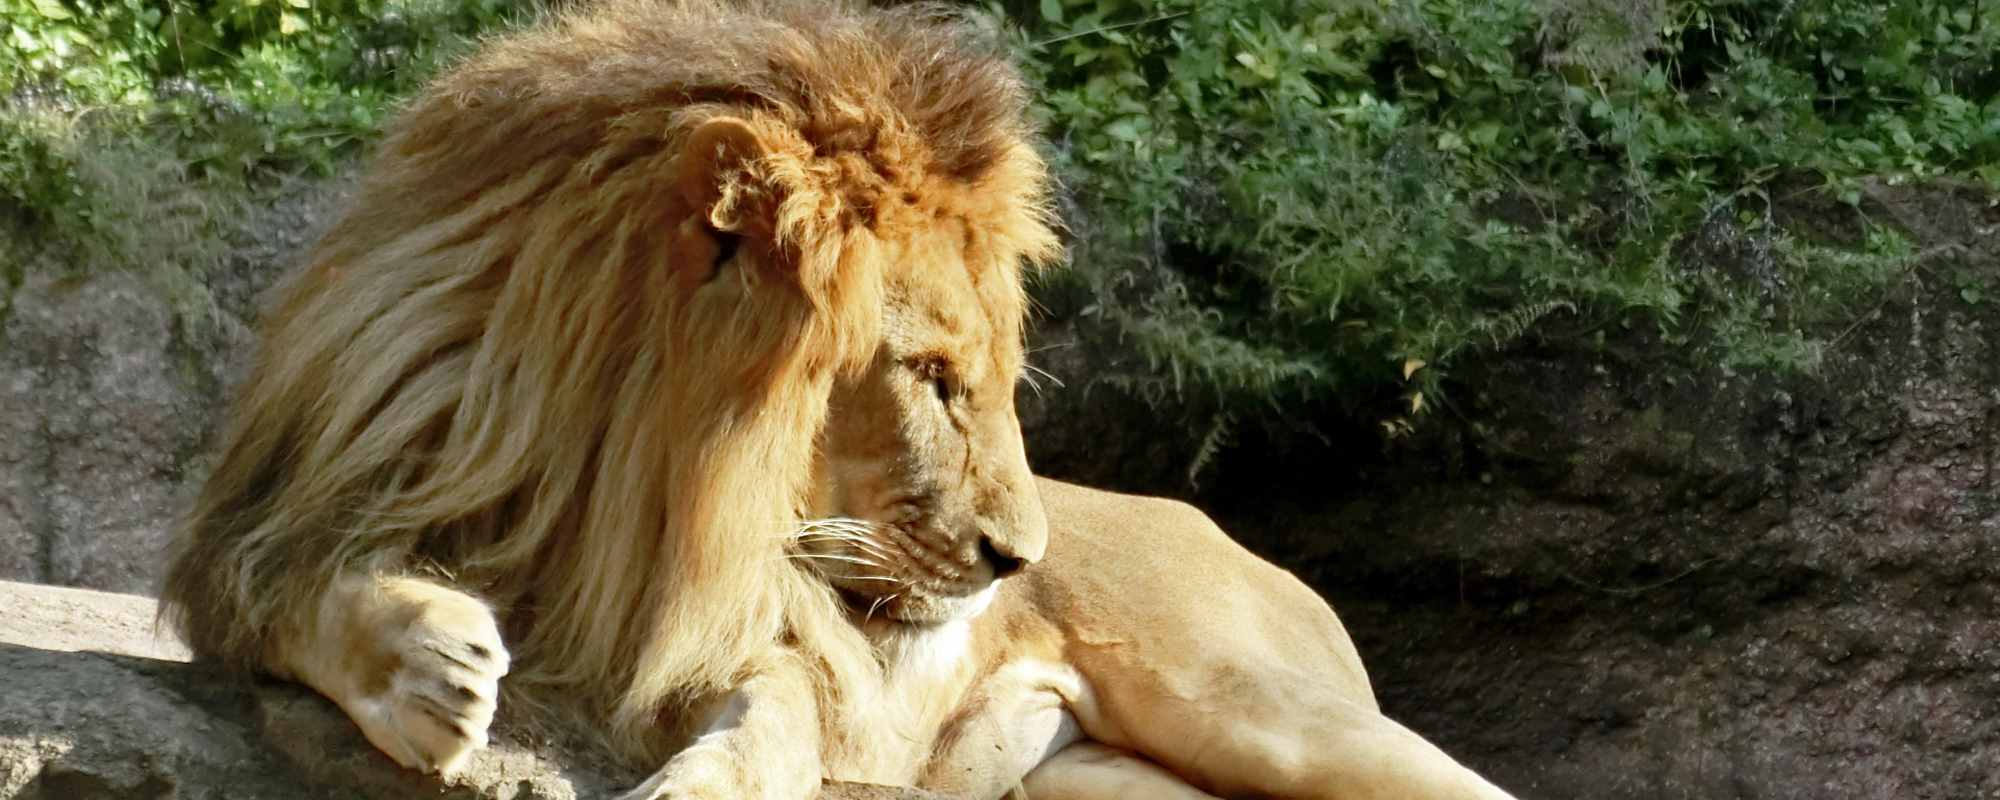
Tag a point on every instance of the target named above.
point(487, 370)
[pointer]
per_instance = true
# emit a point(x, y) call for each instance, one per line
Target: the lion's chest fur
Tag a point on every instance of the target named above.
point(891, 728)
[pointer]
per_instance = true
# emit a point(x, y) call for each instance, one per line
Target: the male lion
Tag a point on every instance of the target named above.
point(543, 403)
point(550, 401)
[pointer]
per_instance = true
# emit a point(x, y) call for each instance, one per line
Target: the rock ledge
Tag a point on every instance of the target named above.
point(96, 706)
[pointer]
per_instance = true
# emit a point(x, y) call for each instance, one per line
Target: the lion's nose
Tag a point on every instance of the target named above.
point(1004, 563)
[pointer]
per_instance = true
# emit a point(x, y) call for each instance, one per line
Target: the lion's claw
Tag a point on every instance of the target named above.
point(433, 706)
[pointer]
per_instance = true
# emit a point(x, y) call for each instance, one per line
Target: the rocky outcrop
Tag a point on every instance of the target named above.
point(1628, 573)
point(95, 707)
point(112, 378)
point(96, 440)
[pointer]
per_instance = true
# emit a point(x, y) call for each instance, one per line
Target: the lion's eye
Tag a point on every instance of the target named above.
point(935, 369)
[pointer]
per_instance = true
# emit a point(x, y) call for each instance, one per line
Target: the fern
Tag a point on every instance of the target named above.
point(1221, 430)
point(1515, 323)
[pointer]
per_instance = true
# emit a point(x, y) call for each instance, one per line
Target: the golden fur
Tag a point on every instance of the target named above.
point(523, 366)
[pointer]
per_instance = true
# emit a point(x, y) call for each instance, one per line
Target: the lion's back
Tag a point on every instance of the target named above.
point(1162, 576)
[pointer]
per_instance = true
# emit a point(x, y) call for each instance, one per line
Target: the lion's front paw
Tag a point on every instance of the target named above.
point(708, 772)
point(694, 774)
point(429, 699)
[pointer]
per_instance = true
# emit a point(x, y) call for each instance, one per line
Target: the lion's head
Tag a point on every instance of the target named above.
point(923, 497)
point(574, 342)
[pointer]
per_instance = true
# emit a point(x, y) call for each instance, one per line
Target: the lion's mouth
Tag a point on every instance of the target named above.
point(888, 572)
point(891, 575)
point(914, 607)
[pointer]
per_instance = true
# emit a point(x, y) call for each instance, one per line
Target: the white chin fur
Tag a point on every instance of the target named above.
point(967, 609)
point(932, 649)
point(980, 602)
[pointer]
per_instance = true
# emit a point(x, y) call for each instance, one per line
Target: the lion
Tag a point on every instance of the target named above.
point(660, 370)
point(543, 402)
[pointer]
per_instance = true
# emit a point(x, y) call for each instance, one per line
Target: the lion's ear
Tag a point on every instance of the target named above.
point(717, 158)
point(719, 177)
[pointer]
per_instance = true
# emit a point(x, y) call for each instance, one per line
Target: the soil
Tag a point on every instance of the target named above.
point(1621, 572)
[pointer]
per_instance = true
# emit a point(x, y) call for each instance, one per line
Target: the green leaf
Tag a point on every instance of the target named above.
point(51, 9)
point(1052, 10)
point(290, 23)
point(1484, 134)
point(1124, 130)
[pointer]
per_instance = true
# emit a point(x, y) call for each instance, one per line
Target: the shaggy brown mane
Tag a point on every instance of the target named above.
point(493, 369)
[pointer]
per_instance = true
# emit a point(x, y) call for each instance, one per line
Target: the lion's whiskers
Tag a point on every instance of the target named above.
point(837, 524)
point(858, 533)
point(1033, 375)
point(835, 557)
point(857, 539)
point(879, 601)
point(837, 527)
point(829, 533)
point(871, 555)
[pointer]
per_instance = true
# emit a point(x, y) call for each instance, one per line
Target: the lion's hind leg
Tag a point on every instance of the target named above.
point(1092, 771)
point(416, 665)
point(1273, 737)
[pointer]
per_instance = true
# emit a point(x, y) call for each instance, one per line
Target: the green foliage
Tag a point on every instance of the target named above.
point(1279, 203)
point(1282, 202)
point(122, 115)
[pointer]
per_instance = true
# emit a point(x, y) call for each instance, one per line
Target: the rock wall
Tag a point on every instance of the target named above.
point(1661, 580)
point(112, 380)
point(95, 440)
point(1621, 572)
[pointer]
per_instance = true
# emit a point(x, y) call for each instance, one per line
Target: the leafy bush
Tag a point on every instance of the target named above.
point(1280, 204)
point(1288, 203)
point(124, 115)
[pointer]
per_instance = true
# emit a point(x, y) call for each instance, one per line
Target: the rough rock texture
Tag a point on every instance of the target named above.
point(1674, 582)
point(111, 381)
point(95, 440)
point(96, 708)
point(1625, 573)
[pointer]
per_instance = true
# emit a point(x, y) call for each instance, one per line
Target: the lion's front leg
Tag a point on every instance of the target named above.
point(763, 743)
point(416, 665)
point(1092, 771)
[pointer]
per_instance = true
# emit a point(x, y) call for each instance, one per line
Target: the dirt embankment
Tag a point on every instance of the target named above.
point(1624, 573)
